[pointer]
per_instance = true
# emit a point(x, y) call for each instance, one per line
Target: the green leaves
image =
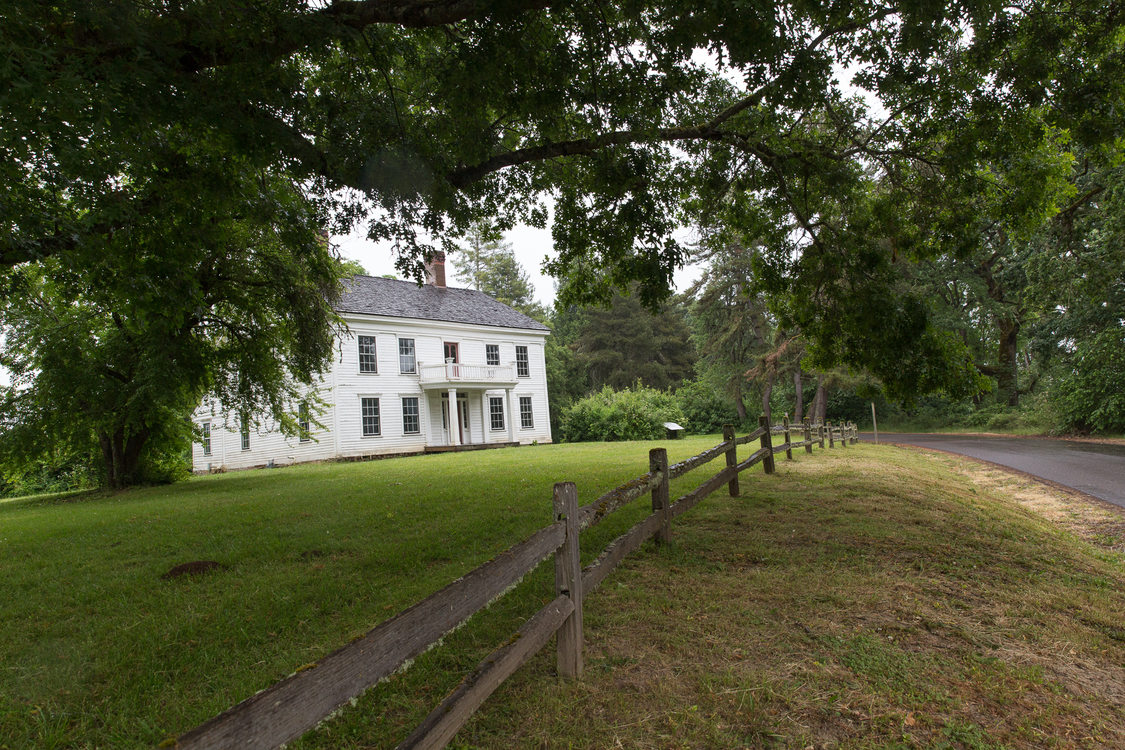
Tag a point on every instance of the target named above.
point(116, 347)
point(132, 126)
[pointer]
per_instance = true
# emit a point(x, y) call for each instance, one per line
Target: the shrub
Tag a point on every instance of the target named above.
point(636, 413)
point(705, 409)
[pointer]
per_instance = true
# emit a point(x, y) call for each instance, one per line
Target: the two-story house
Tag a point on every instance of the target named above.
point(419, 368)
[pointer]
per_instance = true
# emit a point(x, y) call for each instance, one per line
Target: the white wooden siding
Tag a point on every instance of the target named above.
point(344, 385)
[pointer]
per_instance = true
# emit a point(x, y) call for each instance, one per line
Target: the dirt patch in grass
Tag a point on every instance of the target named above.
point(193, 568)
point(868, 598)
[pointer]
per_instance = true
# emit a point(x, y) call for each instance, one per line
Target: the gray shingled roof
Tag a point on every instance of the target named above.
point(372, 295)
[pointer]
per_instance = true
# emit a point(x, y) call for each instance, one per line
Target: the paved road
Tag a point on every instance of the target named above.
point(1095, 469)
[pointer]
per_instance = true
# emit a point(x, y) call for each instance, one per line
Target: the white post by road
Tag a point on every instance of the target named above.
point(874, 425)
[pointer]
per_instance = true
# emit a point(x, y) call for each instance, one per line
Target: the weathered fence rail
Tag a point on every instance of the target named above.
point(296, 704)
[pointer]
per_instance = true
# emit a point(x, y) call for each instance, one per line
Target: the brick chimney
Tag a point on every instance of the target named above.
point(435, 269)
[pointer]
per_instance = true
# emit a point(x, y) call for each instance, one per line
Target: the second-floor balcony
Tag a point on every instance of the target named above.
point(458, 375)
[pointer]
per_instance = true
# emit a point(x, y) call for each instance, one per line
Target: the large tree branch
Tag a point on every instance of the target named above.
point(279, 36)
point(1068, 213)
point(464, 176)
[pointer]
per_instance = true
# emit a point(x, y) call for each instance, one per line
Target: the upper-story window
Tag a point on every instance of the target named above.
point(406, 362)
point(304, 433)
point(244, 433)
point(367, 360)
point(205, 429)
point(492, 354)
point(523, 367)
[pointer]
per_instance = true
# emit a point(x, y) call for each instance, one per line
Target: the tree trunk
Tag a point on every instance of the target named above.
point(122, 456)
point(767, 391)
point(1007, 367)
point(739, 404)
point(798, 388)
point(107, 459)
point(131, 457)
point(819, 406)
point(1008, 325)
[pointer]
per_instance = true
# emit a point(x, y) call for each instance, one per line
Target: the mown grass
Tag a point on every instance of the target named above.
point(868, 598)
point(97, 650)
point(861, 597)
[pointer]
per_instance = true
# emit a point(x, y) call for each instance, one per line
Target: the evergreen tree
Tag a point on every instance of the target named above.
point(488, 264)
point(626, 343)
point(481, 244)
point(730, 323)
point(504, 279)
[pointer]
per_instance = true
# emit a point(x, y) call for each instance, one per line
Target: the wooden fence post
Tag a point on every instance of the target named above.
point(844, 434)
point(568, 580)
point(788, 439)
point(732, 459)
point(767, 442)
point(658, 461)
point(854, 431)
point(808, 437)
point(831, 438)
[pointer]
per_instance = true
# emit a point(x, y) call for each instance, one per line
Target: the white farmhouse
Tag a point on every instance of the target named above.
point(409, 352)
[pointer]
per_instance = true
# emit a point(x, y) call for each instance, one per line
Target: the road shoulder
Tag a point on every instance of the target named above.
point(1097, 521)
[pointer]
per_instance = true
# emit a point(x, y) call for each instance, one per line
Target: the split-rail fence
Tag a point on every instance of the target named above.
point(289, 708)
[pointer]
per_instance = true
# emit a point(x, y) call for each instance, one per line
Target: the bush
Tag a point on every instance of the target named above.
point(62, 471)
point(704, 408)
point(636, 413)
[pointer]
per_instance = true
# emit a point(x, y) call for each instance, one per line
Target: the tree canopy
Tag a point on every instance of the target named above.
point(616, 121)
point(110, 353)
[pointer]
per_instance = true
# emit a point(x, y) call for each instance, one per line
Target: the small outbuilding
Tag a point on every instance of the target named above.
point(675, 431)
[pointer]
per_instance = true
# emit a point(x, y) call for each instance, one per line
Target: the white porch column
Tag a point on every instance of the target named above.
point(425, 416)
point(485, 421)
point(508, 404)
point(454, 417)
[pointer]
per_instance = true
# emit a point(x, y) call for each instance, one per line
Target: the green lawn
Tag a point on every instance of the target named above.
point(861, 597)
point(98, 650)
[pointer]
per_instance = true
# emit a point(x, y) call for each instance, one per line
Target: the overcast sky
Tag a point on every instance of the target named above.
point(532, 248)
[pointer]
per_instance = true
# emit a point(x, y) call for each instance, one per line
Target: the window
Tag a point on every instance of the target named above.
point(245, 434)
point(526, 417)
point(367, 360)
point(410, 423)
point(523, 369)
point(303, 432)
point(406, 362)
point(452, 352)
point(496, 412)
point(369, 414)
point(205, 428)
point(492, 354)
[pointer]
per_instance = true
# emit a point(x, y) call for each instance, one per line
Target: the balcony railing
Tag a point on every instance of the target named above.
point(456, 372)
